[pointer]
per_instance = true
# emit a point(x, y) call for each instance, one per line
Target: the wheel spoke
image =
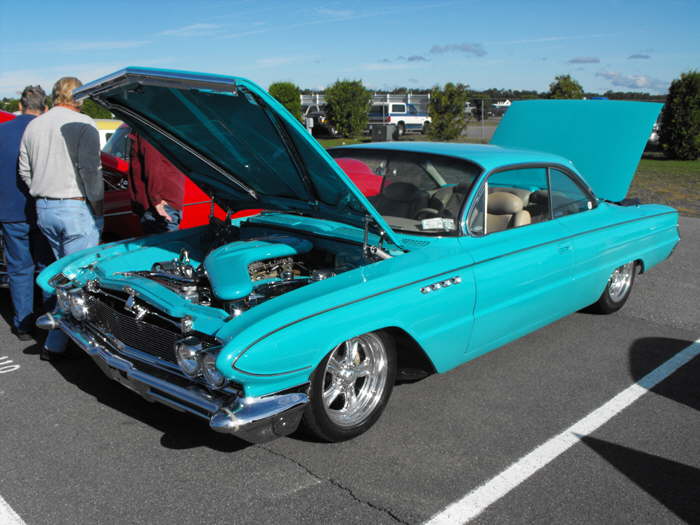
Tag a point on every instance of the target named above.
point(364, 368)
point(330, 395)
point(350, 397)
point(351, 351)
point(333, 366)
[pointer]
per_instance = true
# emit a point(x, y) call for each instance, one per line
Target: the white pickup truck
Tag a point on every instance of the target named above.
point(405, 116)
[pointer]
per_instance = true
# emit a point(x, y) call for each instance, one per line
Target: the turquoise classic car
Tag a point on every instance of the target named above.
point(306, 313)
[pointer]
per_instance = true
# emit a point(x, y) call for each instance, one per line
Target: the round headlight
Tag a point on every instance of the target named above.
point(212, 375)
point(187, 354)
point(62, 301)
point(78, 304)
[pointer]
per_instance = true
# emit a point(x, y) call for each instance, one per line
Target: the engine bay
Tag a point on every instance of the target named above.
point(237, 268)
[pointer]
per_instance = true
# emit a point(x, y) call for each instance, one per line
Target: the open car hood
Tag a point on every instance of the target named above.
point(604, 138)
point(235, 141)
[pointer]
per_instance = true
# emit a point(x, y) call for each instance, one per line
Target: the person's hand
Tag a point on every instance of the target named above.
point(160, 208)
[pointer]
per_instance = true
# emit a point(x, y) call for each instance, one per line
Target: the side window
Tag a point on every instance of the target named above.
point(412, 109)
point(567, 196)
point(398, 108)
point(511, 199)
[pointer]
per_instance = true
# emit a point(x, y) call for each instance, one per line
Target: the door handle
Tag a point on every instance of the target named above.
point(564, 248)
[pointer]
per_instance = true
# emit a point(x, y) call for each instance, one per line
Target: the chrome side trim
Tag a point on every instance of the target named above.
point(255, 419)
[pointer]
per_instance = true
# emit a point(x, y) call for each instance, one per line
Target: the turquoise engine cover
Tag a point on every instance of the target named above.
point(227, 266)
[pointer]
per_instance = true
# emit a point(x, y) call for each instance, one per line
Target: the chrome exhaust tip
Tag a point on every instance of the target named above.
point(46, 322)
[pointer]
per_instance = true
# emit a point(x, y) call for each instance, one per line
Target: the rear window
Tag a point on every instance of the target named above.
point(378, 110)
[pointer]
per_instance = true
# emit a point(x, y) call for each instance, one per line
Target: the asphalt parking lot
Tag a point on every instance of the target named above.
point(78, 448)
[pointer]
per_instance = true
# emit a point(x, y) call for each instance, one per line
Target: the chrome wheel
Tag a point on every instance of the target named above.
point(620, 282)
point(354, 380)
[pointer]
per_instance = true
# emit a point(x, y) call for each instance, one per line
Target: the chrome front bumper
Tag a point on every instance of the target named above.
point(254, 419)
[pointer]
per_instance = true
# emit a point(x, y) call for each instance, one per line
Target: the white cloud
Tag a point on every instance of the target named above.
point(470, 49)
point(584, 60)
point(633, 81)
point(193, 30)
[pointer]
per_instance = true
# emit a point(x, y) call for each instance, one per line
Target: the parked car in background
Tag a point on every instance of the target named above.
point(106, 128)
point(120, 220)
point(5, 116)
point(322, 125)
point(405, 116)
point(305, 312)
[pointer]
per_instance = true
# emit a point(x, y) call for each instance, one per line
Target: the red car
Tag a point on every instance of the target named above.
point(5, 116)
point(120, 221)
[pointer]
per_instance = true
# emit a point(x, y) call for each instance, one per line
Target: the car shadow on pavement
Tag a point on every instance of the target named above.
point(180, 431)
point(675, 485)
point(648, 353)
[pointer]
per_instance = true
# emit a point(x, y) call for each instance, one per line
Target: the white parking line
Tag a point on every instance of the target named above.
point(475, 502)
point(7, 515)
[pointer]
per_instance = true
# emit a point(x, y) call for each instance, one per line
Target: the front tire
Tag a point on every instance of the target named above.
point(350, 387)
point(617, 291)
point(426, 128)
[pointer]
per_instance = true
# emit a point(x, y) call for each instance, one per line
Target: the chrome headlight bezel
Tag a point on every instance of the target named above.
point(188, 356)
point(211, 373)
point(79, 308)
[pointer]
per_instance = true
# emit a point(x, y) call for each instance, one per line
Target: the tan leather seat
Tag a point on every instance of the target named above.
point(505, 211)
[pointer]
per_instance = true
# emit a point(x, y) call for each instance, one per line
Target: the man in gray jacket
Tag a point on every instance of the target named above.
point(59, 160)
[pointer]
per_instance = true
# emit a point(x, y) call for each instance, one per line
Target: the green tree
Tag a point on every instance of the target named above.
point(9, 104)
point(680, 120)
point(347, 103)
point(289, 95)
point(565, 87)
point(94, 110)
point(446, 110)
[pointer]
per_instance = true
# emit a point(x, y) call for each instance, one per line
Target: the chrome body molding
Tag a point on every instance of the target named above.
point(254, 419)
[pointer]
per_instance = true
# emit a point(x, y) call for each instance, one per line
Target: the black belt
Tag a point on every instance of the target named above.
point(63, 198)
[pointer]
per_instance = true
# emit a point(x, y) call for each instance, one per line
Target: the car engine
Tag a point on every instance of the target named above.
point(238, 275)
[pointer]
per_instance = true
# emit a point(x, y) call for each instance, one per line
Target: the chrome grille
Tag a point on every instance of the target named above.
point(140, 335)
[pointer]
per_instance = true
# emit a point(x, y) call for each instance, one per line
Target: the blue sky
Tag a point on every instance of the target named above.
point(617, 44)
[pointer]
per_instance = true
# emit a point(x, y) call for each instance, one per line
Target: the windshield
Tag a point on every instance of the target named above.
point(414, 192)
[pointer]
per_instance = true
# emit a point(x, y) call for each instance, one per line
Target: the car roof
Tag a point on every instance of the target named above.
point(487, 156)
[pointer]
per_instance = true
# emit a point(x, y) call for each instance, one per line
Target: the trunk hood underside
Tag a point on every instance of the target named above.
point(604, 138)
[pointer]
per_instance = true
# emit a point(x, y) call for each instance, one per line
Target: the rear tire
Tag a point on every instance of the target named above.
point(400, 131)
point(617, 290)
point(350, 387)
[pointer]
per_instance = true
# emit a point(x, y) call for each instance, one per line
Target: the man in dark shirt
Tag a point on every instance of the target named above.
point(23, 244)
point(157, 188)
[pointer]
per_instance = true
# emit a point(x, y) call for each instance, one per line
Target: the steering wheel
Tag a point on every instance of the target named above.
point(426, 213)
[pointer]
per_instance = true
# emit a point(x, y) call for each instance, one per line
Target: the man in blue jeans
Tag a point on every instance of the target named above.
point(59, 160)
point(23, 245)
